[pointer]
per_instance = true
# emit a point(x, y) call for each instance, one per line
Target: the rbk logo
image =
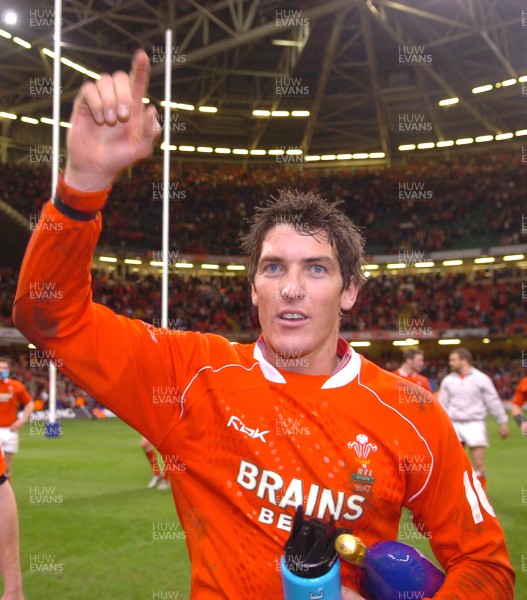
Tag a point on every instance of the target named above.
point(240, 426)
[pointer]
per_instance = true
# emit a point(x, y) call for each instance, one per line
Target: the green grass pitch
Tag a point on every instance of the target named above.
point(91, 529)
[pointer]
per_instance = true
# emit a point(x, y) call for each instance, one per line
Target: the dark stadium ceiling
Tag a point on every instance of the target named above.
point(371, 73)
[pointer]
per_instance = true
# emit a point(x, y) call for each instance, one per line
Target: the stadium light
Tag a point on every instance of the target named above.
point(424, 265)
point(484, 138)
point(46, 120)
point(261, 113)
point(156, 263)
point(484, 260)
point(521, 132)
point(510, 257)
point(9, 17)
point(359, 156)
point(463, 141)
point(300, 113)
point(344, 156)
point(482, 88)
point(187, 148)
point(452, 263)
point(407, 342)
point(406, 147)
point(291, 43)
point(29, 120)
point(210, 266)
point(240, 151)
point(205, 149)
point(22, 42)
point(508, 82)
point(7, 115)
point(445, 143)
point(279, 113)
point(449, 342)
point(109, 259)
point(360, 344)
point(486, 340)
point(133, 261)
point(448, 101)
point(5, 34)
point(184, 265)
point(31, 346)
point(258, 152)
point(312, 157)
point(235, 267)
point(504, 136)
point(328, 157)
point(222, 150)
point(396, 266)
point(208, 109)
point(377, 155)
point(425, 145)
point(371, 267)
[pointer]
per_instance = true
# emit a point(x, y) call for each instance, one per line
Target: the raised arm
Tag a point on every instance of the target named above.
point(120, 362)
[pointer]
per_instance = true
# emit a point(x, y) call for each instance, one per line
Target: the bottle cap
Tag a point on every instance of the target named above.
point(350, 548)
point(310, 550)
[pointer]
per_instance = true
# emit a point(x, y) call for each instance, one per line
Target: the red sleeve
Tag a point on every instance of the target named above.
point(464, 532)
point(520, 395)
point(2, 463)
point(125, 364)
point(22, 395)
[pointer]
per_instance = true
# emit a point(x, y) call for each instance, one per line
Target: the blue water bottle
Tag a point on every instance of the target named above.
point(310, 566)
point(392, 570)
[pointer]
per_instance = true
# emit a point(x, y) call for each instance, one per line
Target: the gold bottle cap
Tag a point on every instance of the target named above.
point(350, 548)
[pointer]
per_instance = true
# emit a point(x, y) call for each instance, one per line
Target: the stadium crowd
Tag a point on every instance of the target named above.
point(463, 201)
point(486, 298)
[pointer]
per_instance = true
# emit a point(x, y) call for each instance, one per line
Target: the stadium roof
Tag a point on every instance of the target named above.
point(370, 73)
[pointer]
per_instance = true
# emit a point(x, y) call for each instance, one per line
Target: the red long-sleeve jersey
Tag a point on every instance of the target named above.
point(245, 443)
point(2, 462)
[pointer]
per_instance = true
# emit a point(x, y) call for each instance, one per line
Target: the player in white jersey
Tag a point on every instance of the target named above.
point(468, 396)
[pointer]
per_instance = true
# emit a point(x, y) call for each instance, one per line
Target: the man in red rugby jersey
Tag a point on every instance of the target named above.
point(296, 417)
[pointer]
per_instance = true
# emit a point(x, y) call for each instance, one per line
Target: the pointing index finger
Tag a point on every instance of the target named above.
point(140, 74)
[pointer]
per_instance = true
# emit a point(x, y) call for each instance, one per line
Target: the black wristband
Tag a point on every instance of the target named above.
point(73, 213)
point(518, 419)
point(3, 478)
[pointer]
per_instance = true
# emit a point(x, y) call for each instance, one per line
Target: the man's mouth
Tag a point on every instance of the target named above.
point(292, 316)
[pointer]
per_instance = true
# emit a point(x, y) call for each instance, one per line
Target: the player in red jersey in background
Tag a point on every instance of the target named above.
point(413, 364)
point(357, 453)
point(159, 476)
point(518, 400)
point(13, 395)
point(9, 547)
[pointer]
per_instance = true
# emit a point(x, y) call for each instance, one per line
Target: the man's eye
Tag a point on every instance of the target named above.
point(271, 268)
point(318, 269)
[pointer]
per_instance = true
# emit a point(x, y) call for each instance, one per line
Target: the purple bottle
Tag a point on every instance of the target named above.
point(392, 570)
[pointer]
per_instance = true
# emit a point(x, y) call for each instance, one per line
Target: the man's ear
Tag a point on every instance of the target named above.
point(254, 295)
point(349, 296)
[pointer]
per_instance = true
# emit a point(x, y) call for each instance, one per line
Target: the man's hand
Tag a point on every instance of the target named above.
point(111, 129)
point(17, 425)
point(504, 431)
point(348, 594)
